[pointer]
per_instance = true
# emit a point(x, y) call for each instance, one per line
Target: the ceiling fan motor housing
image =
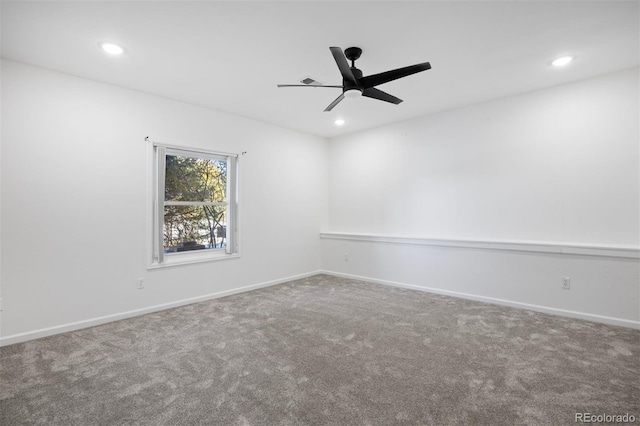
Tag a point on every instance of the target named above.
point(349, 85)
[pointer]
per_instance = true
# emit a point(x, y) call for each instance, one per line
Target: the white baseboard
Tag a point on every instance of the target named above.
point(544, 309)
point(50, 331)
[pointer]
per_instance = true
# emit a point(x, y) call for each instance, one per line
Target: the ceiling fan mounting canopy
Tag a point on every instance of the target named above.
point(352, 53)
point(355, 84)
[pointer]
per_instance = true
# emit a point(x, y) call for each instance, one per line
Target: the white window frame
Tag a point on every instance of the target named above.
point(158, 258)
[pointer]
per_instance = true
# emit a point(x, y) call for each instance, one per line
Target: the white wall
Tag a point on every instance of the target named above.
point(559, 165)
point(74, 201)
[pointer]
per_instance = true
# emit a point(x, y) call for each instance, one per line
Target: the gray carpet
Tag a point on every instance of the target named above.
point(325, 351)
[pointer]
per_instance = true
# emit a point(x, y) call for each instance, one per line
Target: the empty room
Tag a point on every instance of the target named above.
point(320, 212)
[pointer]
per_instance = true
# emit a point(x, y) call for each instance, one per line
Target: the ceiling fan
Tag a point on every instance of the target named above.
point(354, 84)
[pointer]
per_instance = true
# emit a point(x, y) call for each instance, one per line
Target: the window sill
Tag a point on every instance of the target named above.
point(180, 259)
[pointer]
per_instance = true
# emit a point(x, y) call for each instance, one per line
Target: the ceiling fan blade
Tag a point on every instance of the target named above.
point(343, 65)
point(307, 85)
point(379, 94)
point(334, 103)
point(384, 77)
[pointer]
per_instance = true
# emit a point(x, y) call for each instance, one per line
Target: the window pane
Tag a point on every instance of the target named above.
point(188, 228)
point(195, 179)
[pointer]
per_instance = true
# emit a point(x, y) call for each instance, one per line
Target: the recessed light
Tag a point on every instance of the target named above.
point(339, 122)
point(560, 62)
point(111, 48)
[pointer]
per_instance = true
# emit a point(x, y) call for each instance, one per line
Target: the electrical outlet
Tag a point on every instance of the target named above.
point(566, 283)
point(140, 283)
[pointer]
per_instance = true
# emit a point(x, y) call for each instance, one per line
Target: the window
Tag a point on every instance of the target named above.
point(194, 205)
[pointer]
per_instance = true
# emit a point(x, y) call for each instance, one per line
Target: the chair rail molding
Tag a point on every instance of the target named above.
point(560, 248)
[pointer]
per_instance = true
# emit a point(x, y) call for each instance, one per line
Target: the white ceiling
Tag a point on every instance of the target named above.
point(230, 55)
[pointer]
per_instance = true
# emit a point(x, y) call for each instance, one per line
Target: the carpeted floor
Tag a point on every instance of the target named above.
point(325, 351)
